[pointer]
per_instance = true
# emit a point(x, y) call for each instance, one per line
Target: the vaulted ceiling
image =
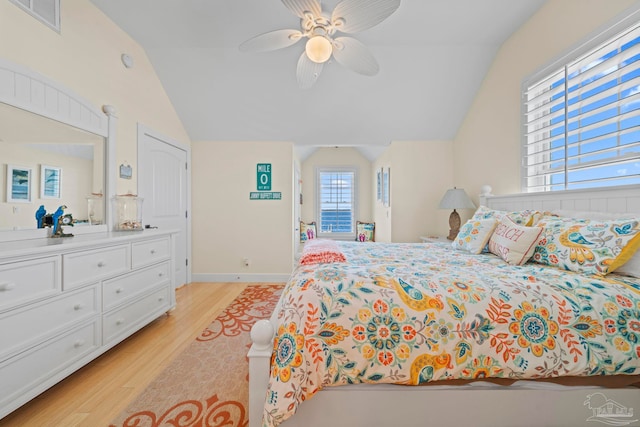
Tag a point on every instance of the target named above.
point(433, 56)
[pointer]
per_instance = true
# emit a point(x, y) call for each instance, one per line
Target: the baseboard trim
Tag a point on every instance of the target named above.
point(250, 278)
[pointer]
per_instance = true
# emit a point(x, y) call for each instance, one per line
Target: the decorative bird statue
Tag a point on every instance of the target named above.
point(576, 242)
point(60, 219)
point(40, 213)
point(56, 216)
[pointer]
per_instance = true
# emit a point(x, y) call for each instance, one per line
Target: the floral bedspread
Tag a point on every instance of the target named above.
point(415, 313)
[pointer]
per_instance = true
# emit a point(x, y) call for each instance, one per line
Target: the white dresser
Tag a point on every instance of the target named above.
point(65, 301)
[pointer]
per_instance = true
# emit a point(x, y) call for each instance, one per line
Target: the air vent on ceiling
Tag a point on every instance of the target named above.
point(46, 11)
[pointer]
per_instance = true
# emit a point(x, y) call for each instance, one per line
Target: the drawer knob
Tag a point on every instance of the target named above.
point(153, 251)
point(119, 290)
point(160, 299)
point(161, 274)
point(119, 321)
point(7, 286)
point(77, 307)
point(101, 264)
point(78, 343)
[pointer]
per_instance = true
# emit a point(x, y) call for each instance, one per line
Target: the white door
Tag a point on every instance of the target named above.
point(162, 182)
point(297, 207)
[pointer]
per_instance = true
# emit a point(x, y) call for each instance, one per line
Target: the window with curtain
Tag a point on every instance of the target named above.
point(582, 120)
point(336, 201)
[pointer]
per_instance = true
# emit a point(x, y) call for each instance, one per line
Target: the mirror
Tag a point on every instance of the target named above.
point(48, 163)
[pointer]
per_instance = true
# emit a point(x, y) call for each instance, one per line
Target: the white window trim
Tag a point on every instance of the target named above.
point(337, 236)
point(623, 21)
point(53, 25)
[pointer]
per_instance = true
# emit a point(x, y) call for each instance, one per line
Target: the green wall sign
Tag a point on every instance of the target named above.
point(264, 176)
point(265, 195)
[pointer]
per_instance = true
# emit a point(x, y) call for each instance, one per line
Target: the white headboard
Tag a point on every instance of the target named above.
point(623, 199)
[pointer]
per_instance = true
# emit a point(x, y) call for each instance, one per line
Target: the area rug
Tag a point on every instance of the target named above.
point(207, 385)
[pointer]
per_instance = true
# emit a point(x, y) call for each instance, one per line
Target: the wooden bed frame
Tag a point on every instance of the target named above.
point(479, 404)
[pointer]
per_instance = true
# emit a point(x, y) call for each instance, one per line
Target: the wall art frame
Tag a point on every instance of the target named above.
point(50, 182)
point(19, 184)
point(386, 187)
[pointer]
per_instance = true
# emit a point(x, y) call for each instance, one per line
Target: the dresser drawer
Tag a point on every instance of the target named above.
point(80, 268)
point(128, 319)
point(29, 280)
point(32, 372)
point(123, 288)
point(150, 251)
point(35, 323)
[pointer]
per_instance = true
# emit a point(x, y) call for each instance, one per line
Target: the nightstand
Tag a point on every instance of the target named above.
point(433, 239)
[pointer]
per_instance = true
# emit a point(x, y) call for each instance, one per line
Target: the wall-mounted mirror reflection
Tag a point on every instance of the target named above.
point(66, 167)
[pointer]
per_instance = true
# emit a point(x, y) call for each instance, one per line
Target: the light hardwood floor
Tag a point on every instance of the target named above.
point(98, 392)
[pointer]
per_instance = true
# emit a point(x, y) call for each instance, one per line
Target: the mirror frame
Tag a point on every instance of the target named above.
point(23, 88)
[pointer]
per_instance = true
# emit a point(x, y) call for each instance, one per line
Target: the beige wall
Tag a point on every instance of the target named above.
point(76, 184)
point(228, 226)
point(85, 57)
point(421, 172)
point(487, 146)
point(336, 156)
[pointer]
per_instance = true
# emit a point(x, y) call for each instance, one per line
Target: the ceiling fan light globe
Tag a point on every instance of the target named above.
point(318, 49)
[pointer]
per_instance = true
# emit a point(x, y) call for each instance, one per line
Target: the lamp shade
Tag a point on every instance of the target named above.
point(456, 198)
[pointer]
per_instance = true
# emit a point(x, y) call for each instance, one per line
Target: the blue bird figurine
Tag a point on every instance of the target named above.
point(56, 215)
point(40, 213)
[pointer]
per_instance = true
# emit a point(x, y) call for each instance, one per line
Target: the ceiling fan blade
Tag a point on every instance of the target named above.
point(353, 16)
point(272, 40)
point(355, 56)
point(299, 7)
point(307, 71)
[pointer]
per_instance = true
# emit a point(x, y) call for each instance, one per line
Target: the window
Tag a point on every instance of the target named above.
point(336, 202)
point(47, 11)
point(582, 121)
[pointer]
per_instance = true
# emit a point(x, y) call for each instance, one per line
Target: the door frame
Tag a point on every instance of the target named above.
point(145, 130)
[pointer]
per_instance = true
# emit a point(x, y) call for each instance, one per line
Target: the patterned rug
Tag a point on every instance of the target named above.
point(207, 385)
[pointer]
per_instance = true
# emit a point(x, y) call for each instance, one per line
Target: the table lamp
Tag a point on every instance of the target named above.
point(455, 198)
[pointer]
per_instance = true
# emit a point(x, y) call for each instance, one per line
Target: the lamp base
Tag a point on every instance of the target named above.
point(454, 225)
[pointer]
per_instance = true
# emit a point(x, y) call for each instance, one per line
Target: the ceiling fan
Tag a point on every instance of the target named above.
point(320, 29)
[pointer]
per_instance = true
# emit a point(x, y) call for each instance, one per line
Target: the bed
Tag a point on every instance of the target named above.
point(427, 334)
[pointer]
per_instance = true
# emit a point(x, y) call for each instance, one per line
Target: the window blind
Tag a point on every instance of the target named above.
point(582, 121)
point(336, 201)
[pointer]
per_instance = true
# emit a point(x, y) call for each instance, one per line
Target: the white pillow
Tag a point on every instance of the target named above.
point(474, 235)
point(512, 242)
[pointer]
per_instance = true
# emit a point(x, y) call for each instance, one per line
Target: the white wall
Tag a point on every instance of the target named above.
point(227, 225)
point(487, 146)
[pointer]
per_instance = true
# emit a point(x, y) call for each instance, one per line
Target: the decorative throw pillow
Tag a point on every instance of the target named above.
point(632, 266)
point(365, 231)
point(526, 217)
point(588, 246)
point(512, 242)
point(474, 235)
point(307, 231)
